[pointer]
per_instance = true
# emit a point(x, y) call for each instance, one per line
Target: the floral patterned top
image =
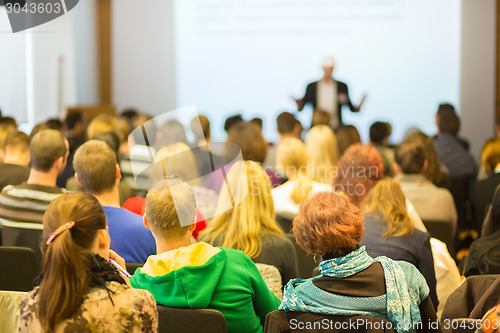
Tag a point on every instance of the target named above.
point(131, 310)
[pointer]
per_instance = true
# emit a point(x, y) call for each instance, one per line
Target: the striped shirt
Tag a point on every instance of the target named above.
point(23, 206)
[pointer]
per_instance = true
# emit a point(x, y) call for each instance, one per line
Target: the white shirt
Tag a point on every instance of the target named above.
point(327, 100)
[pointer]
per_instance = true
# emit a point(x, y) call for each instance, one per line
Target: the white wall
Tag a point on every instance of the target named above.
point(143, 55)
point(12, 71)
point(478, 65)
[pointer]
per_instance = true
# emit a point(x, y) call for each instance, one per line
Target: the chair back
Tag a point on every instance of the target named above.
point(272, 277)
point(279, 321)
point(179, 320)
point(305, 260)
point(12, 236)
point(17, 267)
point(442, 230)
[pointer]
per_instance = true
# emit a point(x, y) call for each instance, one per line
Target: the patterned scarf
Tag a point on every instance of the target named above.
point(402, 303)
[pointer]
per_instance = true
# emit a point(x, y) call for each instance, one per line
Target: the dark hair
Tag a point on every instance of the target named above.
point(347, 135)
point(445, 108)
point(449, 123)
point(46, 147)
point(17, 140)
point(379, 131)
point(257, 121)
point(95, 164)
point(72, 119)
point(130, 114)
point(65, 267)
point(434, 172)
point(286, 123)
point(249, 138)
point(328, 223)
point(9, 121)
point(410, 157)
point(200, 126)
point(231, 121)
point(55, 124)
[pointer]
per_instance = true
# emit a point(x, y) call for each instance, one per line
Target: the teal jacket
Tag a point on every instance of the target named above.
point(228, 282)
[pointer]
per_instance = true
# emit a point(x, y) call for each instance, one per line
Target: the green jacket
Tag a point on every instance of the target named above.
point(228, 282)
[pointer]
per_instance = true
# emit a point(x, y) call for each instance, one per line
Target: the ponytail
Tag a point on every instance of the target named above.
point(65, 267)
point(65, 281)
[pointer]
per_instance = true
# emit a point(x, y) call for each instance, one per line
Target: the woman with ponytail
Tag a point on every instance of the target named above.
point(79, 290)
point(292, 160)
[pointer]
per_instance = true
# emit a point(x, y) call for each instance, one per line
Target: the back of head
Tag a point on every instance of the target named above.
point(16, 142)
point(73, 119)
point(490, 156)
point(286, 123)
point(358, 171)
point(5, 129)
point(252, 214)
point(250, 139)
point(66, 268)
point(321, 146)
point(448, 123)
point(55, 123)
point(101, 124)
point(172, 131)
point(387, 200)
point(433, 172)
point(111, 139)
point(8, 121)
point(328, 223)
point(410, 157)
point(257, 122)
point(320, 118)
point(231, 121)
point(347, 135)
point(95, 166)
point(200, 126)
point(46, 147)
point(379, 131)
point(170, 208)
point(177, 159)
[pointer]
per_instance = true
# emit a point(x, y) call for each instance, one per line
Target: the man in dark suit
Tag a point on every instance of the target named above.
point(328, 95)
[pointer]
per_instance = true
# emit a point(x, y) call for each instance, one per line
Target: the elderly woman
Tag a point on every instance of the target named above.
point(351, 282)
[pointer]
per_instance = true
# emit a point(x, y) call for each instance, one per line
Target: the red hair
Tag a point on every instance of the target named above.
point(358, 171)
point(328, 223)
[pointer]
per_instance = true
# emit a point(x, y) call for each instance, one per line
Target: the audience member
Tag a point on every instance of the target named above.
point(388, 231)
point(4, 130)
point(320, 118)
point(97, 171)
point(359, 169)
point(199, 275)
point(39, 127)
point(436, 172)
point(79, 289)
point(450, 150)
point(125, 191)
point(250, 225)
point(292, 161)
point(288, 127)
point(170, 132)
point(347, 135)
point(101, 123)
point(22, 206)
point(75, 125)
point(136, 165)
point(258, 122)
point(483, 190)
point(484, 253)
point(379, 138)
point(206, 160)
point(130, 115)
point(351, 282)
point(56, 124)
point(8, 121)
point(16, 159)
point(432, 203)
point(231, 121)
point(321, 146)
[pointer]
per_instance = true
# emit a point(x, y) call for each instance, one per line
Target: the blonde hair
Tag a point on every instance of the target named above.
point(101, 124)
point(388, 201)
point(292, 160)
point(321, 145)
point(178, 159)
point(490, 155)
point(242, 226)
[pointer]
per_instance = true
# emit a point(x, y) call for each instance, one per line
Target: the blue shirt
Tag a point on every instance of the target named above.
point(129, 237)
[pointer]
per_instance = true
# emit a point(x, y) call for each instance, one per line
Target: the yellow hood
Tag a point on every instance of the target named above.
point(193, 255)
